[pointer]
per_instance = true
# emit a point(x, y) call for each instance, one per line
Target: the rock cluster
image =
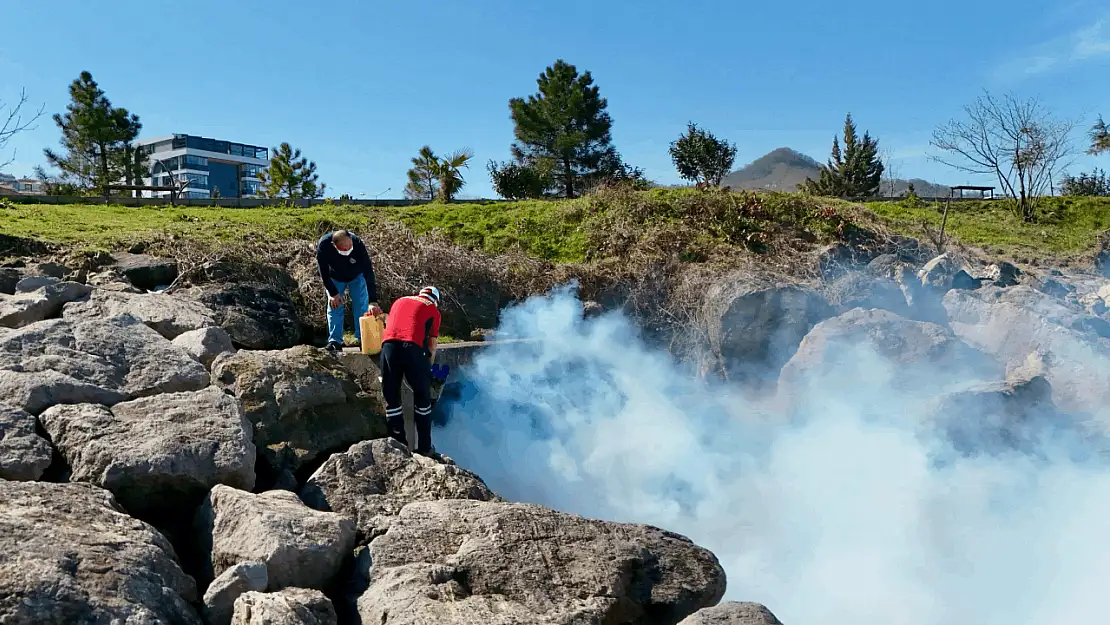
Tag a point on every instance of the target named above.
point(154, 469)
point(179, 458)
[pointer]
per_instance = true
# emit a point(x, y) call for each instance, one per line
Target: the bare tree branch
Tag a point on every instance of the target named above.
point(1017, 142)
point(13, 124)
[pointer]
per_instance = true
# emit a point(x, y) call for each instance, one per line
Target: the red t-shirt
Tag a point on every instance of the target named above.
point(413, 319)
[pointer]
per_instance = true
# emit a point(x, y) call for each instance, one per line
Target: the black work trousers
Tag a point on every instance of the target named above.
point(402, 359)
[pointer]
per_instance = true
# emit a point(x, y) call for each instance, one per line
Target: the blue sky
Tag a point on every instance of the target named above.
point(360, 86)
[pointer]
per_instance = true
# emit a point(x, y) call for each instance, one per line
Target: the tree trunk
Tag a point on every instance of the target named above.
point(568, 180)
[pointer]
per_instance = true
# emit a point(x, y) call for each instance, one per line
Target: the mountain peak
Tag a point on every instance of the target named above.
point(781, 169)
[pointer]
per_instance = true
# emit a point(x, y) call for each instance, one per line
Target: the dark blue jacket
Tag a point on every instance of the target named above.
point(335, 266)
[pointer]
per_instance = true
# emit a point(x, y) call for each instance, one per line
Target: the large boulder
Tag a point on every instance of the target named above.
point(374, 480)
point(733, 613)
point(1014, 322)
point(219, 599)
point(303, 403)
point(24, 455)
point(70, 555)
point(158, 455)
point(292, 606)
point(300, 547)
point(44, 302)
point(995, 417)
point(169, 316)
point(861, 290)
point(254, 315)
point(146, 272)
point(458, 561)
point(9, 277)
point(755, 325)
point(101, 361)
point(205, 344)
point(884, 351)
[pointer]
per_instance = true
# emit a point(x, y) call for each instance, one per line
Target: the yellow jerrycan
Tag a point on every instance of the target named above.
point(371, 327)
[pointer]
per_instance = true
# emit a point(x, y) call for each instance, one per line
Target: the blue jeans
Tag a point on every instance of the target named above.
point(360, 302)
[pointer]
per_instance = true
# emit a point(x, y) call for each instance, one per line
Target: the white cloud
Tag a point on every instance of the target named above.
point(1084, 44)
point(1092, 41)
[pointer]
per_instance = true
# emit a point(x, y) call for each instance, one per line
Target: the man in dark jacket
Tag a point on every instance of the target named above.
point(344, 265)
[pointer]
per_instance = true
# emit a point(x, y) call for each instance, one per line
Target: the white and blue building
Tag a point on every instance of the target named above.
point(205, 164)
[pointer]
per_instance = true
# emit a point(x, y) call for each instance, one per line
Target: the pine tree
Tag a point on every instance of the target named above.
point(96, 136)
point(1100, 138)
point(855, 172)
point(567, 123)
point(290, 176)
point(423, 176)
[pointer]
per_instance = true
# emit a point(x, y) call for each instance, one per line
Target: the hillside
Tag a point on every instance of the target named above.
point(783, 169)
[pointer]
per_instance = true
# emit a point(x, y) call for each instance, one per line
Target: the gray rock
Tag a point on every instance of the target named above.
point(303, 403)
point(995, 417)
point(458, 561)
point(1002, 274)
point(71, 556)
point(169, 316)
point(111, 279)
point(146, 272)
point(292, 606)
point(219, 599)
point(1093, 305)
point(25, 308)
point(963, 280)
point(300, 546)
point(937, 274)
point(1012, 323)
point(373, 480)
point(24, 455)
point(733, 613)
point(861, 290)
point(9, 278)
point(158, 455)
point(142, 362)
point(31, 284)
point(884, 349)
point(38, 390)
point(1057, 288)
point(255, 316)
point(48, 269)
point(754, 326)
point(205, 344)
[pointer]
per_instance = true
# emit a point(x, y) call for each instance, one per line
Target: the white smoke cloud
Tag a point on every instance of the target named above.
point(841, 517)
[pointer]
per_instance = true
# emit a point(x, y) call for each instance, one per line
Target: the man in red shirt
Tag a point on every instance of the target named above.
point(408, 351)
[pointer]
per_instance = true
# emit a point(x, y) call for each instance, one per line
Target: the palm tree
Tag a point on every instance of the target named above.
point(450, 174)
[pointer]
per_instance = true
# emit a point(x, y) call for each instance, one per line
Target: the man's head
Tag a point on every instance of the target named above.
point(431, 293)
point(341, 239)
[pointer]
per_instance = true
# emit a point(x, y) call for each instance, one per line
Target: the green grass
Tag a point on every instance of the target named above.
point(546, 230)
point(564, 231)
point(1065, 227)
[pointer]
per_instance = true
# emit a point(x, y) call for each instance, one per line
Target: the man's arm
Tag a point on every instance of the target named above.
point(325, 273)
point(433, 337)
point(367, 267)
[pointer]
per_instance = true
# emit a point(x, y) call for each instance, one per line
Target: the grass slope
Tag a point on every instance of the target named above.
point(1066, 228)
point(570, 231)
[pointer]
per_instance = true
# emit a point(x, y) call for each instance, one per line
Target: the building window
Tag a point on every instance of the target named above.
point(195, 161)
point(250, 187)
point(199, 181)
point(251, 171)
point(196, 194)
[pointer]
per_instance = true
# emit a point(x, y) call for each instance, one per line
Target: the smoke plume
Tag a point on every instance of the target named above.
point(852, 512)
